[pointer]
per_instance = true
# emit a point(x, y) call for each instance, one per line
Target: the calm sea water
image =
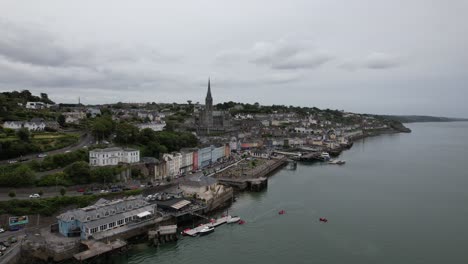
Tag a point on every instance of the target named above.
point(400, 198)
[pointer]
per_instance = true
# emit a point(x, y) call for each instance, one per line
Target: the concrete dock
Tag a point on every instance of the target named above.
point(97, 248)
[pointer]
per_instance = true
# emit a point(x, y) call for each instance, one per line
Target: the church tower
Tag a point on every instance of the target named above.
point(209, 107)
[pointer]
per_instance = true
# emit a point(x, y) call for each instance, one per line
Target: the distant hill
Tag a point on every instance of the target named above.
point(418, 118)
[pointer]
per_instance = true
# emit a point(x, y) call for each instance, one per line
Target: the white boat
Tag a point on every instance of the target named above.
point(206, 230)
point(325, 156)
point(233, 219)
point(337, 162)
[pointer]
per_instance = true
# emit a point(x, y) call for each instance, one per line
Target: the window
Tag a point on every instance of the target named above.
point(120, 222)
point(93, 230)
point(107, 213)
point(98, 216)
point(111, 225)
point(103, 227)
point(88, 218)
point(72, 218)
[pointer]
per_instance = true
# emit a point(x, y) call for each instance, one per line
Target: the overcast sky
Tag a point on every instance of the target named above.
point(369, 56)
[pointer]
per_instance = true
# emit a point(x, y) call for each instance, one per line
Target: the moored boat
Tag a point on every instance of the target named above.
point(233, 219)
point(337, 162)
point(206, 230)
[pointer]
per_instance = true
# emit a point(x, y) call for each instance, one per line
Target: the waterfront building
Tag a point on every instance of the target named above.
point(104, 215)
point(186, 162)
point(113, 156)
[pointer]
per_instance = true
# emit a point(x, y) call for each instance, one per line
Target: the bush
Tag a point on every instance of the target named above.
point(18, 176)
point(79, 172)
point(59, 178)
point(63, 191)
point(12, 194)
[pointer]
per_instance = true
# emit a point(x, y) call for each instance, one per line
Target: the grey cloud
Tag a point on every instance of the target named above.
point(284, 56)
point(31, 57)
point(378, 60)
point(278, 55)
point(375, 61)
point(33, 46)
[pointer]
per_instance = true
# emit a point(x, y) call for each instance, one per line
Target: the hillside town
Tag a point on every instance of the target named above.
point(128, 169)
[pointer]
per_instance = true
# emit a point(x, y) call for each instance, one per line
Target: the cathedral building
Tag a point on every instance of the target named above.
point(210, 120)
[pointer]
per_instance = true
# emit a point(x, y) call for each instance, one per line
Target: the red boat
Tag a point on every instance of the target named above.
point(241, 222)
point(323, 219)
point(281, 212)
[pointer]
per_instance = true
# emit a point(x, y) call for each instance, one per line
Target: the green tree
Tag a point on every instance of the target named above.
point(61, 120)
point(23, 134)
point(79, 172)
point(126, 133)
point(102, 127)
point(20, 176)
point(41, 192)
point(12, 194)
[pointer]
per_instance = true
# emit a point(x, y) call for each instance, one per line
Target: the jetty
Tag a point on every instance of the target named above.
point(163, 234)
point(97, 248)
point(217, 222)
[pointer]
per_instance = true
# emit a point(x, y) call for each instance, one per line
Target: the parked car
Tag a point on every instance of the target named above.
point(42, 155)
point(67, 151)
point(104, 191)
point(13, 239)
point(2, 230)
point(36, 195)
point(12, 161)
point(116, 190)
point(88, 193)
point(5, 243)
point(2, 248)
point(80, 190)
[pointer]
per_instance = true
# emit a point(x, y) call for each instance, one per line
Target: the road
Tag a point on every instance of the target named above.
point(15, 248)
point(85, 140)
point(25, 196)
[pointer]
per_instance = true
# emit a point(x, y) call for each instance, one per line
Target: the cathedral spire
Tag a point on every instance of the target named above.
point(208, 95)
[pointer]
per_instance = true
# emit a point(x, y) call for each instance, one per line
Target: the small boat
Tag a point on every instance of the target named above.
point(233, 219)
point(241, 222)
point(206, 230)
point(323, 219)
point(282, 212)
point(324, 156)
point(337, 162)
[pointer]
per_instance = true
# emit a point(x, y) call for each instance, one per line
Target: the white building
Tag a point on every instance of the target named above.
point(173, 162)
point(74, 117)
point(112, 156)
point(35, 105)
point(94, 112)
point(32, 126)
point(155, 126)
point(186, 162)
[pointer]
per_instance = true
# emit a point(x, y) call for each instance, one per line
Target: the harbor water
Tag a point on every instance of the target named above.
point(400, 198)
